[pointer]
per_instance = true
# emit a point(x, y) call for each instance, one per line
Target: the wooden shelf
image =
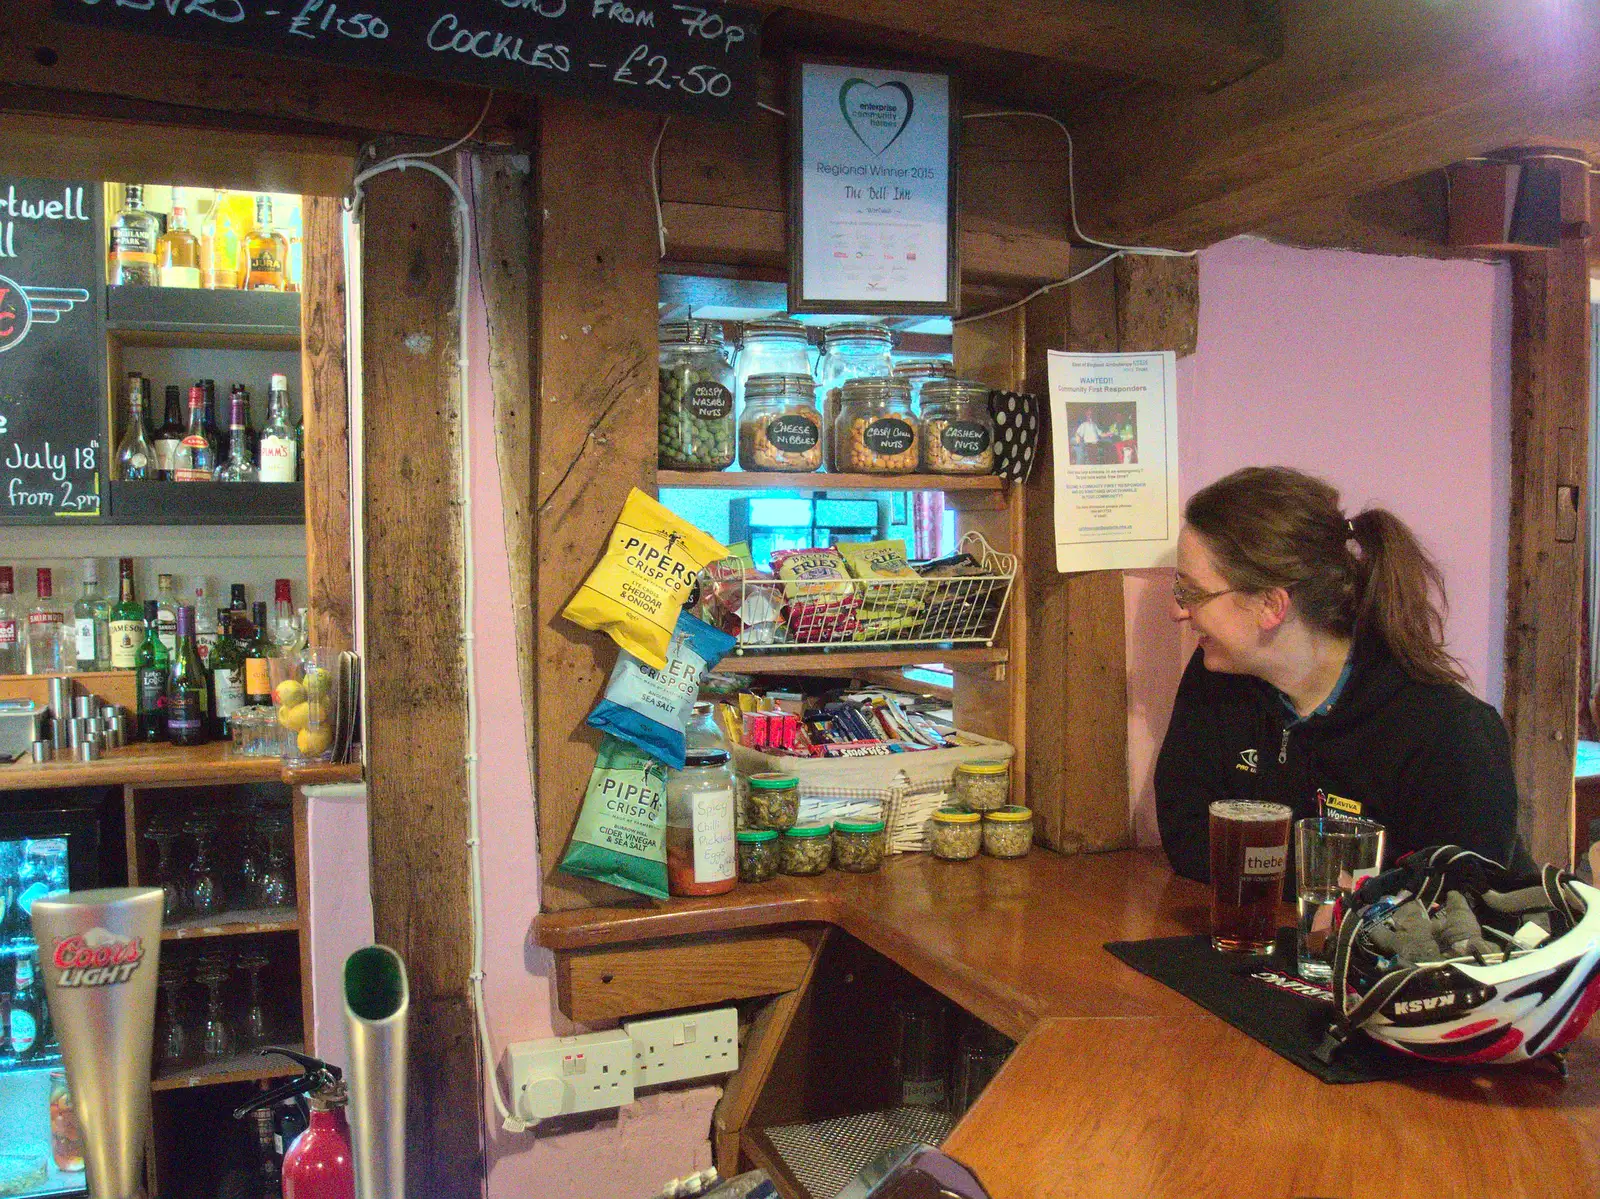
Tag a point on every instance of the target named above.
point(233, 924)
point(241, 1067)
point(820, 481)
point(144, 765)
point(843, 659)
point(164, 503)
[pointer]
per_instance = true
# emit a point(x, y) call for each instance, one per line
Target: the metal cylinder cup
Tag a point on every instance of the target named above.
point(377, 1001)
point(99, 951)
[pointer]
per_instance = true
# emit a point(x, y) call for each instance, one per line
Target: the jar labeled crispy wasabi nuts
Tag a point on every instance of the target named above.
point(772, 801)
point(1007, 833)
point(758, 854)
point(982, 786)
point(695, 427)
point(957, 834)
point(806, 849)
point(858, 845)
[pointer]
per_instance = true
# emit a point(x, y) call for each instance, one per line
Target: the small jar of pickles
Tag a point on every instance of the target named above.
point(758, 852)
point(957, 834)
point(981, 786)
point(806, 849)
point(1007, 832)
point(772, 800)
point(858, 845)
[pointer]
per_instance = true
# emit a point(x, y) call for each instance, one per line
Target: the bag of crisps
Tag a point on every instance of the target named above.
point(887, 606)
point(650, 566)
point(822, 599)
point(621, 836)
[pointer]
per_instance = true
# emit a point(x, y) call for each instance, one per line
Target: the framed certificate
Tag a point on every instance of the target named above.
point(872, 188)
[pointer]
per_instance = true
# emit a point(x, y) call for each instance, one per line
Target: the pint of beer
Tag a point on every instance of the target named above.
point(1249, 852)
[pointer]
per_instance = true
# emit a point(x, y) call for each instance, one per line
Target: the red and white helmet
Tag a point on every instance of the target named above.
point(1508, 998)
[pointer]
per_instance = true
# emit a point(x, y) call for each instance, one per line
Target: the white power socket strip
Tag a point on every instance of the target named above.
point(561, 1075)
point(675, 1048)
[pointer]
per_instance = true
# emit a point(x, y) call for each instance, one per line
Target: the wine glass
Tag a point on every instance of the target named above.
point(216, 1038)
point(205, 890)
point(250, 864)
point(163, 835)
point(277, 878)
point(254, 1033)
point(172, 1042)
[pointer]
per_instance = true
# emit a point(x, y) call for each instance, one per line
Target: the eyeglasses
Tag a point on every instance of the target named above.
point(1189, 597)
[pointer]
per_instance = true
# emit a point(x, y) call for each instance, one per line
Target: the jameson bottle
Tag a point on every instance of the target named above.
point(188, 697)
point(127, 622)
point(152, 663)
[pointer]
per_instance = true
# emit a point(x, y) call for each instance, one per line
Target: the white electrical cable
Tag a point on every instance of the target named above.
point(509, 1122)
point(655, 184)
point(460, 141)
point(1110, 257)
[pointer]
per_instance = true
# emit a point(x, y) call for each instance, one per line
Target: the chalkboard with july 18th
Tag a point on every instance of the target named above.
point(52, 347)
point(694, 58)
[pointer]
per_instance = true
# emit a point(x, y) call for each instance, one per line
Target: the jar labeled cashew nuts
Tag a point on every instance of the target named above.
point(957, 430)
point(876, 432)
point(780, 428)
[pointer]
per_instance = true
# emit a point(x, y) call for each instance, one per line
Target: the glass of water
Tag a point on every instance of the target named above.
point(1333, 857)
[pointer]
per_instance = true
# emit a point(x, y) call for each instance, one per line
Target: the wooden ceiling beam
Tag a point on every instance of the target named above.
point(1187, 43)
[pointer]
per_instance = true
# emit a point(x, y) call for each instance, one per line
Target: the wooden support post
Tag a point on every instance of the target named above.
point(1549, 466)
point(416, 681)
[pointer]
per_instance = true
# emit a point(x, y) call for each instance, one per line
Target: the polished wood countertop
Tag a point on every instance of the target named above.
point(154, 765)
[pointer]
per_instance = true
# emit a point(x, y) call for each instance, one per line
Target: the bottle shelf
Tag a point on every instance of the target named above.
point(241, 1067)
point(824, 481)
point(160, 503)
point(190, 310)
point(233, 924)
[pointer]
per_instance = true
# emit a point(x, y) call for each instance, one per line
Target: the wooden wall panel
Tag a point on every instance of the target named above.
point(595, 298)
point(415, 669)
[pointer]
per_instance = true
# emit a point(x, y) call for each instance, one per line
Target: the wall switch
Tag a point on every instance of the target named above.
point(560, 1075)
point(695, 1045)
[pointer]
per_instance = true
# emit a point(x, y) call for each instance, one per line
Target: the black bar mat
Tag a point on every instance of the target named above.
point(1265, 999)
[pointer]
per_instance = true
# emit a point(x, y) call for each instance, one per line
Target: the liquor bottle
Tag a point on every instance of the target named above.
point(169, 435)
point(187, 695)
point(227, 665)
point(218, 435)
point(257, 674)
point(91, 622)
point(167, 614)
point(283, 626)
point(250, 432)
point(127, 621)
point(16, 928)
point(219, 247)
point(264, 253)
point(25, 1016)
point(205, 624)
point(280, 451)
point(238, 468)
point(13, 643)
point(148, 394)
point(178, 252)
point(152, 663)
point(136, 460)
point(195, 459)
point(132, 251)
point(46, 622)
point(300, 446)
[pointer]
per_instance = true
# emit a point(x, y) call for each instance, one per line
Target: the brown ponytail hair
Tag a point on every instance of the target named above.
point(1270, 526)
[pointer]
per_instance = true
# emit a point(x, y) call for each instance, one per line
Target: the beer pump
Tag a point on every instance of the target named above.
point(101, 950)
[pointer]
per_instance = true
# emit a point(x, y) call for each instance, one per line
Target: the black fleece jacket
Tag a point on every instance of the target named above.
point(1430, 762)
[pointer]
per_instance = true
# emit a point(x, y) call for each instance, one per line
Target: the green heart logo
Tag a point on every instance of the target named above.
point(876, 113)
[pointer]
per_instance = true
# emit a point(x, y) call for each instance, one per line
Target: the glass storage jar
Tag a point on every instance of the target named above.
point(1008, 832)
point(774, 346)
point(700, 845)
point(849, 351)
point(772, 801)
point(957, 430)
point(858, 845)
point(957, 834)
point(876, 432)
point(695, 425)
point(917, 371)
point(758, 854)
point(806, 849)
point(779, 426)
point(981, 786)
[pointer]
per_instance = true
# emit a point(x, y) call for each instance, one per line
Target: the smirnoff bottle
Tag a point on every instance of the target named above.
point(13, 641)
point(46, 625)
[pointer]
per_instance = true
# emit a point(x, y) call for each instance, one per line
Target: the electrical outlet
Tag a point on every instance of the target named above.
point(695, 1045)
point(560, 1075)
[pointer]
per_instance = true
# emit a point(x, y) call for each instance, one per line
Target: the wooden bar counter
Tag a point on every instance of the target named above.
point(159, 763)
point(1119, 1086)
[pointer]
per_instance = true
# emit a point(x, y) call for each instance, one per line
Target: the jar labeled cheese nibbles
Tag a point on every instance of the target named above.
point(780, 428)
point(982, 786)
point(694, 420)
point(758, 854)
point(876, 432)
point(806, 849)
point(771, 801)
point(858, 845)
point(1008, 832)
point(957, 834)
point(957, 430)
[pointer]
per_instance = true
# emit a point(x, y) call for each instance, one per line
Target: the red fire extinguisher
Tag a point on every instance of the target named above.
point(319, 1164)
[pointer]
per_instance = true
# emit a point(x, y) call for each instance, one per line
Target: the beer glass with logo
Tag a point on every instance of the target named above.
point(1249, 852)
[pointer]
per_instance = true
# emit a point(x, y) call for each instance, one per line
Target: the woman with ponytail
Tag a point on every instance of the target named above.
point(1322, 681)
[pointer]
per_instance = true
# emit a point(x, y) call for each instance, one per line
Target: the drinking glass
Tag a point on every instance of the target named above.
point(254, 1032)
point(205, 887)
point(216, 1038)
point(277, 877)
point(163, 835)
point(983, 1051)
point(172, 1041)
point(1333, 856)
point(1249, 854)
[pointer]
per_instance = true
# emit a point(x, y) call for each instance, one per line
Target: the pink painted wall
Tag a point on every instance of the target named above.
point(1391, 378)
point(339, 906)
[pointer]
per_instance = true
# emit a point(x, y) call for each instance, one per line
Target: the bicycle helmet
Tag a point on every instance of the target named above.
point(1451, 957)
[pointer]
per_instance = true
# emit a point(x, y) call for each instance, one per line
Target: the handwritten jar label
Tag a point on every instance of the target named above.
point(965, 438)
point(889, 435)
point(792, 434)
point(710, 401)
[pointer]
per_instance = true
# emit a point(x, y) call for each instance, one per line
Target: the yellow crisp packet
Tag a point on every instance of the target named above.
point(650, 565)
point(877, 559)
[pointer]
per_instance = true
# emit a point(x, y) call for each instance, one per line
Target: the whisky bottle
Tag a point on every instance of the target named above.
point(132, 253)
point(264, 253)
point(127, 621)
point(219, 247)
point(178, 252)
point(152, 663)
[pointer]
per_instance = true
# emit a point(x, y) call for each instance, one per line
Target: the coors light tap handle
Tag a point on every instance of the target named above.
point(99, 952)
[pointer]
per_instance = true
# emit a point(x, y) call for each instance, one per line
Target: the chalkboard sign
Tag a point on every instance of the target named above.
point(52, 350)
point(698, 59)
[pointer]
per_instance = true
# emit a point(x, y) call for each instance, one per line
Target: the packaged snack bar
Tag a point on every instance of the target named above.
point(886, 606)
point(651, 708)
point(822, 599)
point(621, 835)
point(650, 566)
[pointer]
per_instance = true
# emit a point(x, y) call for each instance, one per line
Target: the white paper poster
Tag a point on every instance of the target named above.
point(875, 185)
point(1114, 430)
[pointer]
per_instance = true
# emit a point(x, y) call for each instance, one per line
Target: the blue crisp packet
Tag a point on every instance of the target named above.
point(651, 708)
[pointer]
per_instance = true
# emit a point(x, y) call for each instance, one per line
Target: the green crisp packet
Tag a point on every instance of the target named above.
point(621, 837)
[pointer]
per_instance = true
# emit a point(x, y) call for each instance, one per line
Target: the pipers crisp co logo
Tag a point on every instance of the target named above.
point(876, 113)
point(97, 958)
